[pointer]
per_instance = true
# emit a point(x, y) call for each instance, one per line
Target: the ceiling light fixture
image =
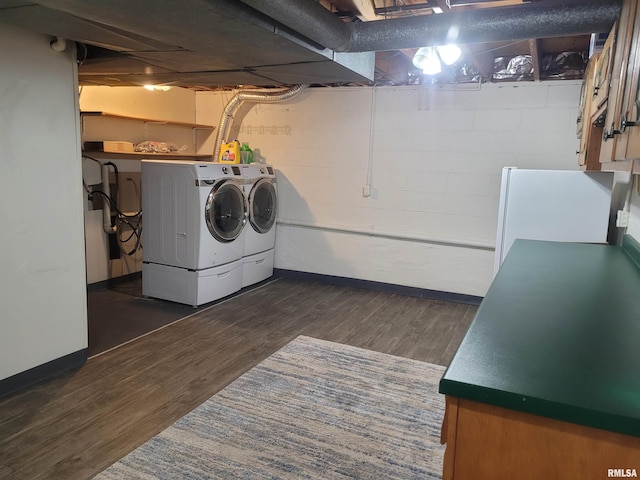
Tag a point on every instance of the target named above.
point(429, 58)
point(160, 88)
point(426, 58)
point(449, 54)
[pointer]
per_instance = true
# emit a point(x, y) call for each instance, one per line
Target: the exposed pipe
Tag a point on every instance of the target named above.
point(486, 25)
point(106, 206)
point(515, 22)
point(476, 245)
point(248, 96)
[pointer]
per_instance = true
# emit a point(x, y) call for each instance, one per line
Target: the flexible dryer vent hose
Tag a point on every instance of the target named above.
point(248, 96)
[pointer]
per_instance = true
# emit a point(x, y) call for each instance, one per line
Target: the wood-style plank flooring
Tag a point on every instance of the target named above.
point(78, 424)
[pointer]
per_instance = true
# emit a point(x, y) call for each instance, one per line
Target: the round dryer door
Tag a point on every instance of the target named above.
point(262, 205)
point(225, 211)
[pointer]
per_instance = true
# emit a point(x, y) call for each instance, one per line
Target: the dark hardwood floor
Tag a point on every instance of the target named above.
point(78, 424)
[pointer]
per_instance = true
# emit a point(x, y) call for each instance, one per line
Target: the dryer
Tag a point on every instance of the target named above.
point(194, 224)
point(260, 238)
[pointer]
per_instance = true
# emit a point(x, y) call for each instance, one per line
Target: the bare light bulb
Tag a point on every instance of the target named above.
point(426, 59)
point(449, 53)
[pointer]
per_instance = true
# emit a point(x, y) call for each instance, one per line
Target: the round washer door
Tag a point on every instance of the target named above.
point(225, 211)
point(262, 205)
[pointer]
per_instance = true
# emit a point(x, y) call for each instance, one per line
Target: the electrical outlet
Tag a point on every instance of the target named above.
point(622, 220)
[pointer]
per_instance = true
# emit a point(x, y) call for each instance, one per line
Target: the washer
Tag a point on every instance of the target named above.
point(195, 214)
point(260, 238)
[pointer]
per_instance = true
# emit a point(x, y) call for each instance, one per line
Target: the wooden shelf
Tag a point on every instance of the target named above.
point(147, 120)
point(141, 155)
point(138, 134)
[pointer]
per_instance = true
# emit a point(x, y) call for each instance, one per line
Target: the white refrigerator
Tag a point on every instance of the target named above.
point(558, 205)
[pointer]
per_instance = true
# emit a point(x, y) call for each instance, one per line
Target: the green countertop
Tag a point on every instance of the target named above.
point(557, 335)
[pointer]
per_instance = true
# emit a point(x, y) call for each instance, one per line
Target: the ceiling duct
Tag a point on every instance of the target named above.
point(273, 42)
point(309, 19)
point(516, 22)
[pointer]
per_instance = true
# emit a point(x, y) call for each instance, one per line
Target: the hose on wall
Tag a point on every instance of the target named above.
point(126, 224)
point(241, 97)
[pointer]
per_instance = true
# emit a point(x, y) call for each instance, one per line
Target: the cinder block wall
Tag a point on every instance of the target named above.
point(433, 157)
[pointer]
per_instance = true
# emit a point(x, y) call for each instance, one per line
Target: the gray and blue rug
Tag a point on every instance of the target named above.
point(314, 410)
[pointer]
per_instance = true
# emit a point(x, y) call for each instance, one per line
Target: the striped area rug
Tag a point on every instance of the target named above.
point(312, 410)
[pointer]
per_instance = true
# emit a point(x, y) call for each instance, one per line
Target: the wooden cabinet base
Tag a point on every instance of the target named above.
point(487, 442)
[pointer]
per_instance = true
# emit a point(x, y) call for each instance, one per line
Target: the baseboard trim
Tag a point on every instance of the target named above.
point(378, 286)
point(42, 372)
point(112, 282)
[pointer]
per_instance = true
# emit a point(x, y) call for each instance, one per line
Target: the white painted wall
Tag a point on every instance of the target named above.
point(42, 279)
point(624, 185)
point(634, 223)
point(634, 207)
point(175, 105)
point(433, 158)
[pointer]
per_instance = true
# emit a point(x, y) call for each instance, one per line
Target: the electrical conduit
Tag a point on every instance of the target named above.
point(449, 242)
point(106, 205)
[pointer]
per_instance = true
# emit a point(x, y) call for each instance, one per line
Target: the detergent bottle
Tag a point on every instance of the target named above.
point(230, 152)
point(246, 154)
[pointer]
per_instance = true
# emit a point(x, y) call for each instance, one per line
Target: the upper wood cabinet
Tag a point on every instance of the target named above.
point(628, 141)
point(613, 112)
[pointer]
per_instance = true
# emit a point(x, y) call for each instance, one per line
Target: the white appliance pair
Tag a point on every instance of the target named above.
point(209, 228)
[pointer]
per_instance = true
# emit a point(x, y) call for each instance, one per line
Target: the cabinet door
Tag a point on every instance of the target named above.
point(590, 137)
point(619, 73)
point(602, 70)
point(629, 140)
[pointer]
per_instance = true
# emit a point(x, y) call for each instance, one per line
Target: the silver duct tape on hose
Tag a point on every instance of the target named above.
point(248, 96)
